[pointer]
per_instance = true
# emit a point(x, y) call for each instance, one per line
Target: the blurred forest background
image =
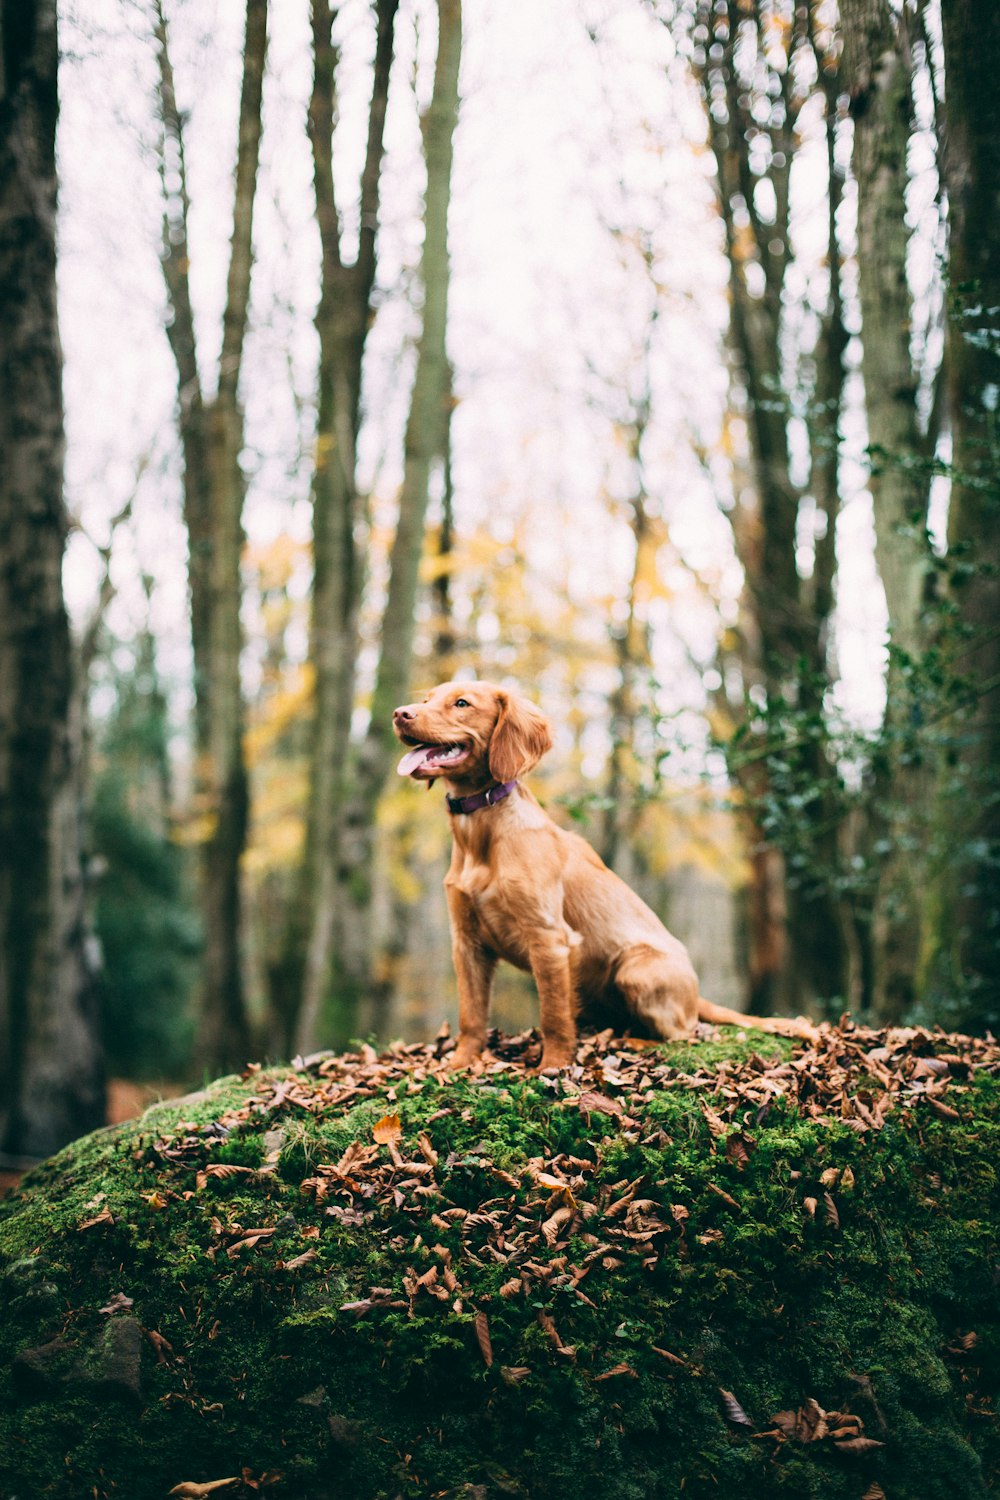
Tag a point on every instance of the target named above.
point(643, 352)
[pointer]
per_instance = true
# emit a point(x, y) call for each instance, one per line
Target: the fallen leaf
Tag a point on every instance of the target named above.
point(426, 1149)
point(387, 1131)
point(298, 1261)
point(164, 1349)
point(733, 1409)
point(513, 1374)
point(832, 1216)
point(118, 1303)
point(593, 1103)
point(190, 1489)
point(856, 1445)
point(943, 1111)
point(726, 1197)
point(672, 1359)
point(483, 1336)
point(621, 1369)
point(874, 1492)
point(104, 1217)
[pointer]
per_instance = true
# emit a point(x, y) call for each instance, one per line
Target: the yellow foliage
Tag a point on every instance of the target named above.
point(278, 711)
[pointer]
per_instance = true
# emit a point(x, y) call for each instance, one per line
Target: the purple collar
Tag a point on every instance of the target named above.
point(472, 804)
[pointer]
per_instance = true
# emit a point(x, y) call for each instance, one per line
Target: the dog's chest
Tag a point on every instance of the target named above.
point(489, 913)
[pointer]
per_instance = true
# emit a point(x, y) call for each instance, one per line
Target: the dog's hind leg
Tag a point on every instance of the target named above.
point(659, 990)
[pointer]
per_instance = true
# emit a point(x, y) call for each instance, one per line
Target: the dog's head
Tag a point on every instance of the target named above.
point(471, 732)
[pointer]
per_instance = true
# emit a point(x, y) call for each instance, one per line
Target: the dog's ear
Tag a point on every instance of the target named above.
point(520, 739)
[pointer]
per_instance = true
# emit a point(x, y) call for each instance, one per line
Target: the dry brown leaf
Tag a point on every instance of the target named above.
point(426, 1149)
point(511, 1288)
point(298, 1261)
point(810, 1205)
point(190, 1489)
point(164, 1349)
point(672, 1359)
point(830, 1208)
point(621, 1369)
point(726, 1197)
point(104, 1217)
point(513, 1374)
point(552, 1225)
point(874, 1492)
point(483, 1336)
point(856, 1445)
point(943, 1111)
point(594, 1103)
point(733, 1409)
point(118, 1303)
point(387, 1131)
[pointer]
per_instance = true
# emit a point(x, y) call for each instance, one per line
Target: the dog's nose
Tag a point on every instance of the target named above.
point(401, 715)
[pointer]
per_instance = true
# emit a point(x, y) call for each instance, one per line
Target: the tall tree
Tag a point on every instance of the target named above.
point(424, 443)
point(212, 438)
point(966, 935)
point(758, 64)
point(878, 73)
point(300, 976)
point(51, 1072)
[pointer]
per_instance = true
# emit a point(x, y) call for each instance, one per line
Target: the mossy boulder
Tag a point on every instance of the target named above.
point(740, 1267)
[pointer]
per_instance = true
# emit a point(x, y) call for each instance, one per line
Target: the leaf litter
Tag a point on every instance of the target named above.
point(849, 1075)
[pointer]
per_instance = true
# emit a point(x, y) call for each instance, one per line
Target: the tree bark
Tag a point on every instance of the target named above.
point(212, 437)
point(424, 442)
point(301, 976)
point(51, 1069)
point(878, 74)
point(966, 936)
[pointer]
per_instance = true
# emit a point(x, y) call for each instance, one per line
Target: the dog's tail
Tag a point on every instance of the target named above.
point(719, 1015)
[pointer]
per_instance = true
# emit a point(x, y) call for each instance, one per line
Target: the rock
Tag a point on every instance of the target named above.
point(315, 1398)
point(38, 1371)
point(345, 1433)
point(114, 1365)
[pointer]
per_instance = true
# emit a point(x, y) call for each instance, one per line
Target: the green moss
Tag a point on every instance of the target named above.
point(266, 1370)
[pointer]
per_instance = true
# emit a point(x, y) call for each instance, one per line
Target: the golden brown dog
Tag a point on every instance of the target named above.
point(521, 889)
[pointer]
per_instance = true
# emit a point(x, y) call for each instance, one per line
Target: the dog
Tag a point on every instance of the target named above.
point(524, 890)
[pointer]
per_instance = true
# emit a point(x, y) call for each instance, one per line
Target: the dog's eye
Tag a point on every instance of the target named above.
point(462, 703)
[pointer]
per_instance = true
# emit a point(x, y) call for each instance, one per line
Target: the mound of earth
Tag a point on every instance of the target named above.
point(740, 1267)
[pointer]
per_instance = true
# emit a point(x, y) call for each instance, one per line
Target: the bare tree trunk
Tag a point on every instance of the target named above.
point(424, 443)
point(966, 935)
point(51, 1069)
point(878, 74)
point(212, 437)
point(301, 975)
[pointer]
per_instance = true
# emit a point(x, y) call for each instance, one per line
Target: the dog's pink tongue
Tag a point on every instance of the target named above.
point(414, 758)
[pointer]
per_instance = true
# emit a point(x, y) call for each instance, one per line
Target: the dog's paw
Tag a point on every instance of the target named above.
point(465, 1056)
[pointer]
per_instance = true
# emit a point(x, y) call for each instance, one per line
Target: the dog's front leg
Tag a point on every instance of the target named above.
point(551, 966)
point(474, 969)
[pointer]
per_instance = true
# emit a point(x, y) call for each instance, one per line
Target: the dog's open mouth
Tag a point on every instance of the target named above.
point(431, 758)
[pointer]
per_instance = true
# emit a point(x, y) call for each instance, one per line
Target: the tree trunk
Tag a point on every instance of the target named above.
point(212, 437)
point(302, 972)
point(424, 442)
point(878, 75)
point(966, 939)
point(51, 1071)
